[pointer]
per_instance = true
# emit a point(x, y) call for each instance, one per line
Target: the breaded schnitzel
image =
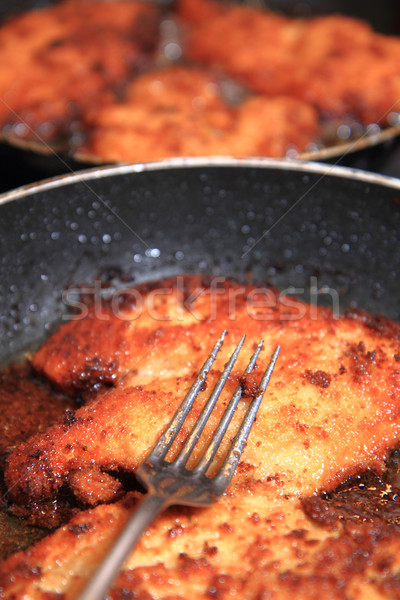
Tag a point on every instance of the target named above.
point(181, 111)
point(332, 409)
point(337, 64)
point(254, 544)
point(97, 78)
point(337, 379)
point(57, 61)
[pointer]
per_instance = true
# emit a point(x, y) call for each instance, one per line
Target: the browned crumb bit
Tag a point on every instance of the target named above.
point(319, 378)
point(249, 384)
point(209, 550)
point(175, 531)
point(80, 528)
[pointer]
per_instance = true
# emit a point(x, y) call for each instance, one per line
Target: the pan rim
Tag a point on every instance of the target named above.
point(301, 166)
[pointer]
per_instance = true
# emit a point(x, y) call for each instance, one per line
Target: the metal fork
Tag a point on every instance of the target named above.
point(172, 482)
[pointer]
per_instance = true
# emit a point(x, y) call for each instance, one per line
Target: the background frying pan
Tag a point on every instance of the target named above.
point(289, 223)
point(25, 162)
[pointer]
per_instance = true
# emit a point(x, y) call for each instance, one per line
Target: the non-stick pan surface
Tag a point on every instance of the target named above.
point(296, 226)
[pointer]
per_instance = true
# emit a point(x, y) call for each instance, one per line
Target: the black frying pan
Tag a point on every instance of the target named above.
point(291, 224)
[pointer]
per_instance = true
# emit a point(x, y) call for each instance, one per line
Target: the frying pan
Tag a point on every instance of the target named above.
point(315, 231)
point(36, 160)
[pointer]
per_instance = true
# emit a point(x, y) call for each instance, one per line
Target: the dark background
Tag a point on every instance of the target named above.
point(384, 15)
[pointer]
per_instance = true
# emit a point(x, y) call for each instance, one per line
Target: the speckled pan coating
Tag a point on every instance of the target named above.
point(292, 225)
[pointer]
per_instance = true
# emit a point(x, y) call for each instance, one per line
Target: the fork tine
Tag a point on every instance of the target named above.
point(198, 427)
point(165, 442)
point(230, 463)
point(219, 433)
point(168, 484)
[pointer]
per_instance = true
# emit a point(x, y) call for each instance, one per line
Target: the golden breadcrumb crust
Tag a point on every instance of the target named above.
point(181, 111)
point(337, 378)
point(337, 64)
point(62, 59)
point(332, 409)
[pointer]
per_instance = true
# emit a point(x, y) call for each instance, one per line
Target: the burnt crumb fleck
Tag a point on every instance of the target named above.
point(209, 550)
point(342, 370)
point(69, 418)
point(319, 378)
point(174, 532)
point(396, 357)
point(79, 528)
point(203, 386)
point(245, 468)
point(226, 527)
point(362, 360)
point(302, 427)
point(193, 565)
point(37, 453)
point(249, 385)
point(299, 534)
point(254, 518)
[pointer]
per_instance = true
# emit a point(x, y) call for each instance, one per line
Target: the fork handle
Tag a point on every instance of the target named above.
point(142, 517)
